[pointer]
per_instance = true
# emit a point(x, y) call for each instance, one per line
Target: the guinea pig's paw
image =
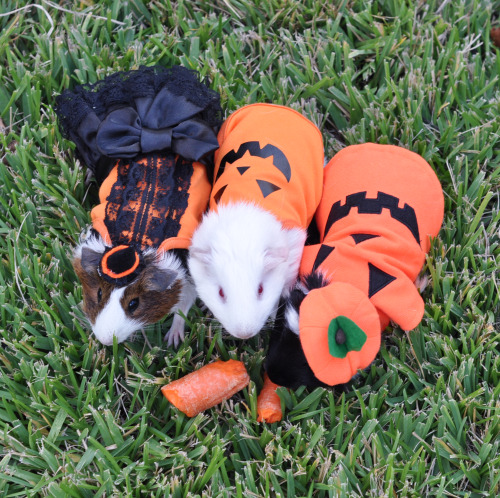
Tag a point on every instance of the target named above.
point(175, 335)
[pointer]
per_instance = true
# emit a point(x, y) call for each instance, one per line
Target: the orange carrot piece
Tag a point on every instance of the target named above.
point(269, 403)
point(206, 387)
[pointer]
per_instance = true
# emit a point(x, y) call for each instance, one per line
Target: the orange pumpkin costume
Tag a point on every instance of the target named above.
point(380, 206)
point(143, 134)
point(271, 156)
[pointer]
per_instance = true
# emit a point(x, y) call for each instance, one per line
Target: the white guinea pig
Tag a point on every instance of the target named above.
point(242, 261)
point(268, 179)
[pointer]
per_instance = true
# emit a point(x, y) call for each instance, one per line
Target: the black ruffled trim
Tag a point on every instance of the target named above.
point(89, 104)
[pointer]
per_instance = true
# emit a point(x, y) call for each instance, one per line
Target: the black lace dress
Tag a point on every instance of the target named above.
point(148, 136)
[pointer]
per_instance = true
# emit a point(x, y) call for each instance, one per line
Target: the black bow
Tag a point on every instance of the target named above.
point(165, 122)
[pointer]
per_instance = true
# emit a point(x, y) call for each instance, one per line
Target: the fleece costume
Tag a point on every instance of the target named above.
point(271, 156)
point(143, 134)
point(380, 206)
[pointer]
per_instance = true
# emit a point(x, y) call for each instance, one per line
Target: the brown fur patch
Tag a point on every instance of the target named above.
point(91, 283)
point(495, 36)
point(153, 305)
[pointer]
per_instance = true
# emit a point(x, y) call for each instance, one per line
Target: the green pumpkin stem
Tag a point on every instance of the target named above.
point(344, 336)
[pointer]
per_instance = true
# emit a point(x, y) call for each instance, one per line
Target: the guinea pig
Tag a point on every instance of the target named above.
point(286, 364)
point(243, 260)
point(380, 208)
point(148, 137)
point(246, 252)
point(163, 287)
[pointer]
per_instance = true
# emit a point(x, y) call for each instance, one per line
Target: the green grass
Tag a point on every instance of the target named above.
point(79, 419)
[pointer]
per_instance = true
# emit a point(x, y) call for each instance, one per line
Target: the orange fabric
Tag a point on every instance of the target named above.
point(380, 206)
point(199, 194)
point(269, 403)
point(98, 213)
point(111, 273)
point(198, 191)
point(272, 156)
point(206, 387)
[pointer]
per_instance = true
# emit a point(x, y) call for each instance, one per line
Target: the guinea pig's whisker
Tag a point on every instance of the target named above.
point(135, 336)
point(281, 305)
point(82, 320)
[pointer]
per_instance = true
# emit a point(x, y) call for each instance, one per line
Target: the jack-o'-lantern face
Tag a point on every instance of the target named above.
point(373, 188)
point(252, 172)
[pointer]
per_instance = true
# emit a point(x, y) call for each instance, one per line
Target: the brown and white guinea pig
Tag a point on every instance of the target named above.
point(268, 178)
point(148, 137)
point(163, 287)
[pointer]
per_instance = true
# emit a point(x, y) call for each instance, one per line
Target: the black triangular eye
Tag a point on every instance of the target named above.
point(279, 159)
point(217, 196)
point(242, 169)
point(377, 279)
point(267, 188)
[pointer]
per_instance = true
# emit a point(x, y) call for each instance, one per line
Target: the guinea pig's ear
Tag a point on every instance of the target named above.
point(204, 256)
point(160, 280)
point(90, 259)
point(275, 256)
point(296, 239)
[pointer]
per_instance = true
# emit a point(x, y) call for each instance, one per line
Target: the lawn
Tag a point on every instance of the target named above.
point(80, 419)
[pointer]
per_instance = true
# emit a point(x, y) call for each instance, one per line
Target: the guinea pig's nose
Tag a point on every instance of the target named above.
point(246, 334)
point(105, 339)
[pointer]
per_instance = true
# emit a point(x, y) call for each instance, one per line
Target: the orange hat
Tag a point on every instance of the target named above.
point(339, 332)
point(380, 206)
point(272, 156)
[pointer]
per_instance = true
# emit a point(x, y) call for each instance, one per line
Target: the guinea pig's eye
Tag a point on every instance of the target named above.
point(99, 295)
point(133, 304)
point(221, 293)
point(260, 290)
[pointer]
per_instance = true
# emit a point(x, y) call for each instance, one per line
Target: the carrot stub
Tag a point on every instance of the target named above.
point(269, 403)
point(206, 387)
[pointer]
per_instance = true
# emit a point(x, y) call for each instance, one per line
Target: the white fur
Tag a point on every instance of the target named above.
point(168, 261)
point(292, 319)
point(91, 240)
point(175, 334)
point(236, 249)
point(112, 321)
point(291, 314)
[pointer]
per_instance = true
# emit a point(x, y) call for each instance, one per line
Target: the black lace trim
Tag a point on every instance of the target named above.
point(147, 201)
